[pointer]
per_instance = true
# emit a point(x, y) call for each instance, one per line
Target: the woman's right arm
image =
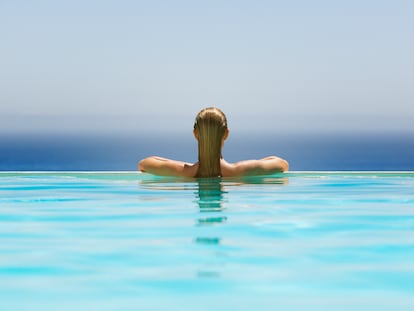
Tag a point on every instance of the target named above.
point(265, 166)
point(165, 167)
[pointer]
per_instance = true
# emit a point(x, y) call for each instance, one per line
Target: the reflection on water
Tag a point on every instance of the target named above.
point(207, 240)
point(208, 186)
point(211, 200)
point(209, 197)
point(277, 179)
point(211, 220)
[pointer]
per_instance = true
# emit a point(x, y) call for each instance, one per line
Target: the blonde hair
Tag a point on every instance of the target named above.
point(211, 126)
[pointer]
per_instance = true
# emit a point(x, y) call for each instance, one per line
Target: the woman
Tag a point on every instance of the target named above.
point(210, 130)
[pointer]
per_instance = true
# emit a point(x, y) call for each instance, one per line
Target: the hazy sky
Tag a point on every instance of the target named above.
point(270, 65)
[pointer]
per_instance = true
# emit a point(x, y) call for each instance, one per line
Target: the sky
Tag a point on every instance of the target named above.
point(271, 66)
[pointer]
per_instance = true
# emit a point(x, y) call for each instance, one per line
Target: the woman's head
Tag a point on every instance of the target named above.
point(210, 130)
point(210, 121)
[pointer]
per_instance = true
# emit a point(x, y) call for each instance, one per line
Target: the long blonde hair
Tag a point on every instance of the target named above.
point(211, 126)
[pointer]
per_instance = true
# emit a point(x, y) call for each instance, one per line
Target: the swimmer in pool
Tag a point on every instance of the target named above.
point(210, 130)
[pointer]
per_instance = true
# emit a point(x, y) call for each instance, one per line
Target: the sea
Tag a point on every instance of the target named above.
point(122, 151)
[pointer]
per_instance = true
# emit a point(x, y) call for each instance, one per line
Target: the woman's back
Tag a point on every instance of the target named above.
point(167, 167)
point(210, 130)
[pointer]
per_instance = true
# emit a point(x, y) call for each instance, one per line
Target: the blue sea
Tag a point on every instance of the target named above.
point(121, 152)
point(125, 240)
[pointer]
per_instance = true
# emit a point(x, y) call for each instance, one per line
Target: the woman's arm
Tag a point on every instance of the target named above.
point(166, 167)
point(265, 166)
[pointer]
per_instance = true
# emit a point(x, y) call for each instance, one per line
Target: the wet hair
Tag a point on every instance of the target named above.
point(211, 125)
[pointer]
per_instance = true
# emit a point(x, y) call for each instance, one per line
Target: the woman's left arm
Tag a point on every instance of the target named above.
point(265, 166)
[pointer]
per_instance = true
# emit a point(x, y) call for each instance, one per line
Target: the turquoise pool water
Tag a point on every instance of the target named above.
point(131, 241)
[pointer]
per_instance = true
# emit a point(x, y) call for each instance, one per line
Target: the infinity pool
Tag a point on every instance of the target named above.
point(132, 241)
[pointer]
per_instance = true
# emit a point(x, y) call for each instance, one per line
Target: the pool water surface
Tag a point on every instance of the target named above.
point(133, 241)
